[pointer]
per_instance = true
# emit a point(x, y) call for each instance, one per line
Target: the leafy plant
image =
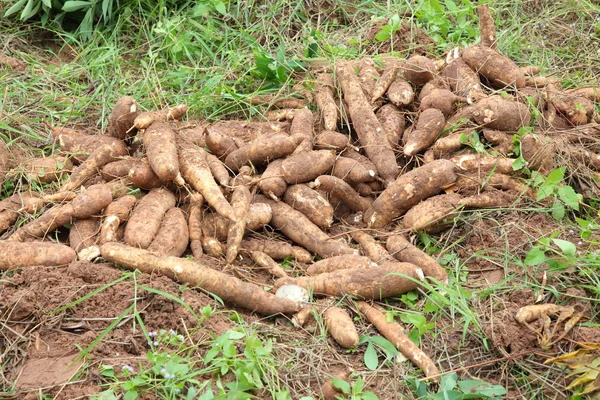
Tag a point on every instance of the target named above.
point(273, 69)
point(451, 388)
point(388, 30)
point(355, 391)
point(564, 195)
point(556, 259)
point(376, 345)
point(419, 322)
point(451, 22)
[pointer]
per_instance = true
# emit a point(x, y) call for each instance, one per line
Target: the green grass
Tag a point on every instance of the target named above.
point(213, 61)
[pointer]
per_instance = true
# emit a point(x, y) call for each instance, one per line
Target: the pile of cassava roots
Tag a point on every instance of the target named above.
point(333, 183)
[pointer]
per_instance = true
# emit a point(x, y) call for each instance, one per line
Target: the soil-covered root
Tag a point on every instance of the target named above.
point(195, 224)
point(143, 177)
point(146, 218)
point(577, 110)
point(218, 169)
point(228, 288)
point(385, 80)
point(272, 183)
point(428, 127)
point(213, 247)
point(330, 392)
point(21, 255)
point(145, 119)
point(122, 118)
point(306, 166)
point(91, 166)
point(401, 93)
point(484, 164)
point(330, 140)
point(115, 213)
point(80, 146)
point(267, 263)
point(47, 169)
point(370, 132)
point(217, 226)
point(220, 143)
point(240, 201)
point(279, 115)
point(172, 237)
point(495, 112)
point(395, 334)
point(384, 281)
point(371, 247)
point(89, 202)
point(443, 100)
point(438, 82)
point(432, 214)
point(119, 168)
point(393, 122)
point(368, 77)
point(262, 150)
point(277, 250)
point(301, 230)
point(487, 28)
point(340, 326)
point(345, 261)
point(161, 149)
point(408, 189)
point(302, 125)
point(404, 251)
point(462, 79)
point(419, 70)
point(83, 237)
point(196, 171)
point(351, 171)
point(18, 204)
point(324, 97)
point(499, 70)
point(310, 203)
point(342, 191)
point(503, 141)
point(592, 93)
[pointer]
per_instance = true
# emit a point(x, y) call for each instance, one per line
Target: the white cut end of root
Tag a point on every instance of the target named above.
point(409, 149)
point(178, 269)
point(295, 293)
point(420, 274)
point(371, 172)
point(89, 254)
point(179, 181)
point(133, 108)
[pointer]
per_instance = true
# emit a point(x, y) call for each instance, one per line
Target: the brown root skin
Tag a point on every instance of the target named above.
point(84, 233)
point(145, 119)
point(400, 93)
point(119, 168)
point(345, 261)
point(502, 140)
point(146, 218)
point(408, 190)
point(217, 226)
point(324, 87)
point(384, 281)
point(272, 183)
point(240, 201)
point(271, 101)
point(218, 169)
point(275, 249)
point(498, 69)
point(220, 144)
point(122, 118)
point(20, 255)
point(305, 167)
point(80, 146)
point(370, 132)
point(393, 122)
point(340, 327)
point(196, 171)
point(485, 164)
point(310, 203)
point(262, 150)
point(172, 237)
point(577, 110)
point(487, 28)
point(195, 224)
point(266, 262)
point(330, 392)
point(46, 170)
point(91, 166)
point(352, 153)
point(495, 112)
point(17, 204)
point(330, 140)
point(385, 80)
point(342, 191)
point(161, 148)
point(212, 247)
point(443, 100)
point(463, 80)
point(404, 251)
point(590, 93)
point(395, 334)
point(228, 288)
point(299, 229)
point(419, 70)
point(143, 177)
point(371, 247)
point(302, 125)
point(115, 213)
point(428, 127)
point(438, 82)
point(433, 214)
point(351, 171)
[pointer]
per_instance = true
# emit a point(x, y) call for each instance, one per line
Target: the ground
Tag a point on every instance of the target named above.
point(75, 331)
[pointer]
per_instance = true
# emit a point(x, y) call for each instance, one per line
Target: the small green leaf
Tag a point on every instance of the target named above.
point(368, 395)
point(556, 175)
point(481, 388)
point(568, 195)
point(382, 36)
point(371, 359)
point(544, 191)
point(221, 8)
point(565, 246)
point(535, 257)
point(15, 8)
point(341, 384)
point(130, 395)
point(519, 163)
point(71, 6)
point(448, 381)
point(558, 210)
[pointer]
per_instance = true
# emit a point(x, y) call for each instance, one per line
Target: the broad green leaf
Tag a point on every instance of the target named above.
point(130, 395)
point(568, 195)
point(382, 36)
point(535, 257)
point(221, 8)
point(371, 359)
point(519, 163)
point(385, 344)
point(71, 6)
point(558, 210)
point(448, 382)
point(341, 384)
point(556, 176)
point(481, 387)
point(565, 246)
point(544, 191)
point(368, 395)
point(15, 8)
point(47, 3)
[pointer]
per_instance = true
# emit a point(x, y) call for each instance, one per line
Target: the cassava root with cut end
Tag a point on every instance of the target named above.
point(240, 201)
point(395, 334)
point(230, 289)
point(342, 191)
point(324, 88)
point(21, 255)
point(310, 203)
point(340, 327)
point(404, 251)
point(264, 261)
point(115, 213)
point(145, 119)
